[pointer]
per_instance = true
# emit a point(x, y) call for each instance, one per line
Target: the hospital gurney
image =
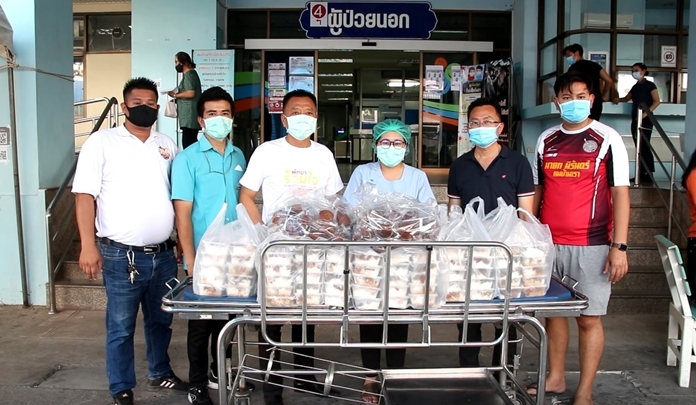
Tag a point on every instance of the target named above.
point(398, 386)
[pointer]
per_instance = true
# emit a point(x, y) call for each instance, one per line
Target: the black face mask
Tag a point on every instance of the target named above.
point(179, 68)
point(142, 116)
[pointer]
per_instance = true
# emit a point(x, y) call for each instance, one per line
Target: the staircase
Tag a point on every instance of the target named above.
point(643, 290)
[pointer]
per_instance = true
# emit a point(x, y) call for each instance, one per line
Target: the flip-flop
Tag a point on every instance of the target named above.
point(371, 391)
point(533, 386)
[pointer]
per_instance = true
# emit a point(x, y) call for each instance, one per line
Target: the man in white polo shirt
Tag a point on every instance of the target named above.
point(290, 166)
point(126, 170)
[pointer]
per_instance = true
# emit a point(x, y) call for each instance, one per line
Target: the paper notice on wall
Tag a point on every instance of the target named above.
point(276, 75)
point(434, 78)
point(456, 79)
point(463, 143)
point(4, 135)
point(302, 65)
point(305, 83)
point(4, 154)
point(669, 56)
point(275, 101)
point(215, 67)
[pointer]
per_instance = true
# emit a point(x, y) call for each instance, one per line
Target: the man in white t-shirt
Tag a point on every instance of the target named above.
point(126, 171)
point(290, 165)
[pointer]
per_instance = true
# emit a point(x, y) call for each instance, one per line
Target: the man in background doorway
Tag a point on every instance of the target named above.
point(574, 56)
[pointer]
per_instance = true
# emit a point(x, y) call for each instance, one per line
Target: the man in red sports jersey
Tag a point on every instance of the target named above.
point(581, 177)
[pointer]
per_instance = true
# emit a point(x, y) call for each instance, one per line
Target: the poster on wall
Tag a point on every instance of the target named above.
point(456, 77)
point(305, 83)
point(215, 67)
point(434, 78)
point(669, 56)
point(275, 101)
point(471, 88)
point(302, 65)
point(276, 75)
point(598, 57)
point(497, 87)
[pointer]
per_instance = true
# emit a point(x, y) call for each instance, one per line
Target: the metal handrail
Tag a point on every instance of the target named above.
point(671, 174)
point(50, 239)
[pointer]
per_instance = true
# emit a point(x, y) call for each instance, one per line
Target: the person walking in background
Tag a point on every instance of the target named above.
point(573, 54)
point(392, 139)
point(186, 97)
point(643, 92)
point(689, 184)
point(125, 170)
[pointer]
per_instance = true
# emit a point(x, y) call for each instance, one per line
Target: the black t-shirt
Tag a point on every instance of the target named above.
point(640, 93)
point(509, 176)
point(592, 70)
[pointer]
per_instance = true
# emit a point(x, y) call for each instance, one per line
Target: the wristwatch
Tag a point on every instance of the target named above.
point(621, 246)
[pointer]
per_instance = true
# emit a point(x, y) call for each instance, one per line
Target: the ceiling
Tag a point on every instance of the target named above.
point(371, 71)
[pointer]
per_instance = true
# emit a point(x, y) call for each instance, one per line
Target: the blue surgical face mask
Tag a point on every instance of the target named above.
point(301, 126)
point(575, 111)
point(390, 156)
point(570, 60)
point(483, 137)
point(218, 127)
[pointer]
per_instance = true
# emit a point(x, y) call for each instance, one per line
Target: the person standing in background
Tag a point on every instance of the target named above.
point(643, 92)
point(573, 55)
point(186, 97)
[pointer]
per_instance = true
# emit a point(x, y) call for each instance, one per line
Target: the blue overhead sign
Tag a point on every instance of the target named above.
point(393, 20)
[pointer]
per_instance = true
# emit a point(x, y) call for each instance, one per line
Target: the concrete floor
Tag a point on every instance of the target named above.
point(59, 359)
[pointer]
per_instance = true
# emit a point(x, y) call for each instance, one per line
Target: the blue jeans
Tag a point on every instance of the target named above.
point(122, 302)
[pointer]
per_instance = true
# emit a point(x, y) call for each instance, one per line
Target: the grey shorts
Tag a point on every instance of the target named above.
point(585, 264)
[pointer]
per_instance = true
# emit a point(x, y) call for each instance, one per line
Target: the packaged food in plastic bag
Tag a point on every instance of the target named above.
point(225, 259)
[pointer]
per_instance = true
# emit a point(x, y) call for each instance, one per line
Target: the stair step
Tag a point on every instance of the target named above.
point(84, 294)
point(645, 197)
point(650, 301)
point(643, 278)
point(640, 214)
point(644, 233)
point(70, 272)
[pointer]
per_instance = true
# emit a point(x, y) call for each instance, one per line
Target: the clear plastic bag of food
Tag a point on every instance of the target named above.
point(225, 259)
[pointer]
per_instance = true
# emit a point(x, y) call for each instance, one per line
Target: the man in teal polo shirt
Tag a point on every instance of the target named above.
point(204, 177)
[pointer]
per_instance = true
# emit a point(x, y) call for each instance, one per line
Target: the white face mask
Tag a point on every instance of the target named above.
point(637, 75)
point(301, 127)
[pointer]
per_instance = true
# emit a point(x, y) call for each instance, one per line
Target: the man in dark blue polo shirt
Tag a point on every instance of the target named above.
point(489, 171)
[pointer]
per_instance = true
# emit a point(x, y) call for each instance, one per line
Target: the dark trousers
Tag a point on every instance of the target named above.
point(274, 333)
point(645, 152)
point(691, 264)
point(596, 109)
point(469, 356)
point(203, 335)
point(371, 358)
point(189, 136)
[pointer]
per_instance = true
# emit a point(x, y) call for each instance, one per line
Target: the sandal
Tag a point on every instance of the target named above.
point(532, 390)
point(371, 388)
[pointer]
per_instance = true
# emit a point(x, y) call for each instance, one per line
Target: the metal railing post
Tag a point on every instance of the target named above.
point(639, 133)
point(672, 176)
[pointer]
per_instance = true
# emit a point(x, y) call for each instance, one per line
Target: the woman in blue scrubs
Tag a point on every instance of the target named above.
point(389, 174)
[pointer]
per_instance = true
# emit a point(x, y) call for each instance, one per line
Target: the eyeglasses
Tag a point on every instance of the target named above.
point(486, 123)
point(385, 143)
point(210, 169)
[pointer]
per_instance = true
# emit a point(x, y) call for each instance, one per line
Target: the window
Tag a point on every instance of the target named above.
point(286, 24)
point(451, 26)
point(109, 33)
point(662, 80)
point(549, 59)
point(685, 15)
point(243, 25)
point(550, 20)
point(78, 34)
point(496, 27)
point(646, 15)
point(641, 48)
point(78, 84)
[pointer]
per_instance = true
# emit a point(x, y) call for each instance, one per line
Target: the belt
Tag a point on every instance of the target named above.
point(161, 247)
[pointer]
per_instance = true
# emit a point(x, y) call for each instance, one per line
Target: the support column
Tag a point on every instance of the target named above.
point(161, 28)
point(45, 138)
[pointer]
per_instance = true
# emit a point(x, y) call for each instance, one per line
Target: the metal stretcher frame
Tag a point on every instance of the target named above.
point(504, 311)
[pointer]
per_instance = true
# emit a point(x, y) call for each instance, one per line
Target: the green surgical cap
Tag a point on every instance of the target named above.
point(392, 126)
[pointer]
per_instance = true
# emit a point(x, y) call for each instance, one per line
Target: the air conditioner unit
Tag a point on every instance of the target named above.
point(603, 20)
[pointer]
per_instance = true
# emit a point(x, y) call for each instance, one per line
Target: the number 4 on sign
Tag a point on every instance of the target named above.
point(318, 11)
